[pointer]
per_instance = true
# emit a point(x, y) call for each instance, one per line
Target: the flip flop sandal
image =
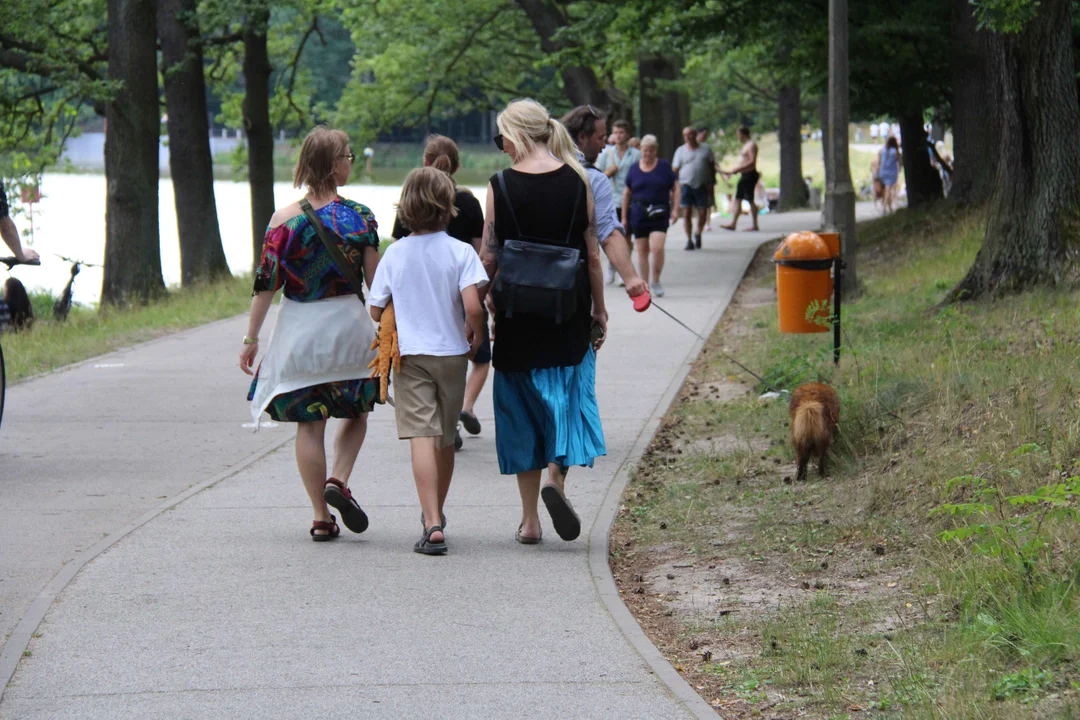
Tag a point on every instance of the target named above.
point(442, 518)
point(567, 523)
point(470, 422)
point(331, 528)
point(525, 539)
point(425, 546)
point(338, 496)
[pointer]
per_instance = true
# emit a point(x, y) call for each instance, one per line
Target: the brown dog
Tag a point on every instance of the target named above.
point(815, 410)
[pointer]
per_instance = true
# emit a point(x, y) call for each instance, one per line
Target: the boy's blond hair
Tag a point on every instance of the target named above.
point(427, 200)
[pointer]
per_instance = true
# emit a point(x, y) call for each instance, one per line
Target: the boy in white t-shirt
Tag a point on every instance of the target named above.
point(432, 279)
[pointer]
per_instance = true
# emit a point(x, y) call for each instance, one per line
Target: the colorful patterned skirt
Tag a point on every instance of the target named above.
point(339, 399)
point(548, 416)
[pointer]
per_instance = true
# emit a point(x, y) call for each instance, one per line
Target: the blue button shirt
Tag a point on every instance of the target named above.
point(607, 220)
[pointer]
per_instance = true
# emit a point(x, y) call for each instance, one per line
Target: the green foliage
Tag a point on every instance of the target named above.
point(1005, 16)
point(1022, 684)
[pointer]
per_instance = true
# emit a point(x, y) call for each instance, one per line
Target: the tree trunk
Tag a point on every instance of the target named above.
point(823, 120)
point(839, 192)
point(201, 254)
point(975, 138)
point(1034, 223)
point(580, 83)
point(664, 112)
point(260, 134)
point(793, 191)
point(132, 129)
point(922, 181)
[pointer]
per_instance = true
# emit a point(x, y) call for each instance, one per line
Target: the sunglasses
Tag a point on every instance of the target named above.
point(498, 141)
point(351, 156)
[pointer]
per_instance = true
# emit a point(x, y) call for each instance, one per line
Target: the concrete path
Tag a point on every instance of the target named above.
point(221, 604)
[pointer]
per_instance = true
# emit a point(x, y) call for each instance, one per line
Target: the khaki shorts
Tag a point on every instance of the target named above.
point(429, 392)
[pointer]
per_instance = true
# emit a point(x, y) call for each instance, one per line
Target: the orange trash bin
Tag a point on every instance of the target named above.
point(803, 274)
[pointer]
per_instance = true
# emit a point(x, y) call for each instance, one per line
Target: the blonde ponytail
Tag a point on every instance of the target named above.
point(562, 146)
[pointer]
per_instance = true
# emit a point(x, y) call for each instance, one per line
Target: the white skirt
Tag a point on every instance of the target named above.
point(314, 343)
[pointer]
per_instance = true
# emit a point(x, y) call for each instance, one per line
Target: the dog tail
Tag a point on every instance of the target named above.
point(808, 429)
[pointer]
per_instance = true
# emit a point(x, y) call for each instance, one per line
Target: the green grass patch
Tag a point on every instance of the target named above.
point(951, 515)
point(88, 332)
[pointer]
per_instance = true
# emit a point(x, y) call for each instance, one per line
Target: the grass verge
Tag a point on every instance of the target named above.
point(934, 573)
point(51, 344)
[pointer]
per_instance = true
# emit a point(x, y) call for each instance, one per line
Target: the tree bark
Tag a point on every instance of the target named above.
point(664, 112)
point(1034, 221)
point(975, 138)
point(132, 130)
point(839, 192)
point(580, 83)
point(201, 254)
point(922, 181)
point(260, 133)
point(793, 191)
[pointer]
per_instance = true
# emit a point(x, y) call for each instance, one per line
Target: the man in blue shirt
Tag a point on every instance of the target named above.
point(588, 127)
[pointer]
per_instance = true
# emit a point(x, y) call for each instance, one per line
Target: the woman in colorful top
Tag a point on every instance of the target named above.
point(546, 416)
point(316, 365)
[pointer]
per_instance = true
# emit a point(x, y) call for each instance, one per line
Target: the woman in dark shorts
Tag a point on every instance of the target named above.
point(467, 226)
point(651, 201)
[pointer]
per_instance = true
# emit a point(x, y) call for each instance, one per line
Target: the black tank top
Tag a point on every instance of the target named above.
point(544, 206)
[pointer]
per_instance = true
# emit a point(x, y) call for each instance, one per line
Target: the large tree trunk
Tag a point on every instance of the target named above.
point(793, 191)
point(1034, 221)
point(132, 129)
point(580, 83)
point(260, 134)
point(922, 181)
point(201, 254)
point(975, 140)
point(664, 112)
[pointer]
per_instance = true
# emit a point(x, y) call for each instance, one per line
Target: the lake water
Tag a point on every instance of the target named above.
point(70, 221)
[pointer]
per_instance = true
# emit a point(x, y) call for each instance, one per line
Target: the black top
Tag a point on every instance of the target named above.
point(544, 206)
point(468, 224)
point(3, 203)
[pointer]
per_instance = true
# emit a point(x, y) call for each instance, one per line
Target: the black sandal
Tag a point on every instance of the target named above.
point(331, 528)
point(526, 539)
point(470, 422)
point(338, 496)
point(425, 546)
point(567, 523)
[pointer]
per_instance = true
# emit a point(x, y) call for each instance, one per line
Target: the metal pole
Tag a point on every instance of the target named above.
point(837, 265)
point(840, 193)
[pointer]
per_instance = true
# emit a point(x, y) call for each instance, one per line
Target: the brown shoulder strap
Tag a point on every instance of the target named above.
point(335, 252)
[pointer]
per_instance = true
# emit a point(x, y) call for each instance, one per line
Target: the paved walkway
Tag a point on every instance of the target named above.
point(220, 605)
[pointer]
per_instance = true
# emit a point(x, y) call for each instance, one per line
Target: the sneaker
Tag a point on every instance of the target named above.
point(689, 245)
point(610, 274)
point(697, 241)
point(657, 289)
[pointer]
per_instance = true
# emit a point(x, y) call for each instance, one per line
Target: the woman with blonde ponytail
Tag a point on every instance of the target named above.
point(467, 226)
point(550, 317)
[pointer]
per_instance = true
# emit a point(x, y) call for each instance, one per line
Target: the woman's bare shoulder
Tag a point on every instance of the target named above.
point(285, 214)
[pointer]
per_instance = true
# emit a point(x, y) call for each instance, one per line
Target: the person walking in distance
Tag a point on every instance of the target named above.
point(710, 189)
point(748, 178)
point(467, 226)
point(651, 201)
point(615, 162)
point(587, 129)
point(890, 160)
point(433, 280)
point(694, 162)
point(542, 252)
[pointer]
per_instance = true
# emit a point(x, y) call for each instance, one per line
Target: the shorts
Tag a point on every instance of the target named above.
point(643, 230)
point(483, 354)
point(747, 182)
point(694, 197)
point(429, 392)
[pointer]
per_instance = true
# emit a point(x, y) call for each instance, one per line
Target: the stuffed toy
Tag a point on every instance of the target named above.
point(386, 342)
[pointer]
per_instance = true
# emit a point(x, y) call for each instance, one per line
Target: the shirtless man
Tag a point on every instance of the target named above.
point(748, 179)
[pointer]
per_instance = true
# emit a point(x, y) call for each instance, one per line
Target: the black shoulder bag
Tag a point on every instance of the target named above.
point(538, 277)
point(335, 252)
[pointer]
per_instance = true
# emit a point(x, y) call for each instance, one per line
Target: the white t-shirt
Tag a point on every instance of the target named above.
point(424, 275)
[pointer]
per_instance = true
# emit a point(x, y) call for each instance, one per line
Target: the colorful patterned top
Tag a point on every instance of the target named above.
point(293, 257)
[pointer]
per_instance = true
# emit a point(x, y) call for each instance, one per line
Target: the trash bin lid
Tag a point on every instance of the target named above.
point(806, 250)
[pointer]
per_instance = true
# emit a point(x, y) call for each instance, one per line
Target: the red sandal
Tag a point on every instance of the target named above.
point(331, 528)
point(338, 496)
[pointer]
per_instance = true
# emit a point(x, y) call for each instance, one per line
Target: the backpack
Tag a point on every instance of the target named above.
point(538, 277)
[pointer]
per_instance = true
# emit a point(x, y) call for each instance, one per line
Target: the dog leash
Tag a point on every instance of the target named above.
point(643, 305)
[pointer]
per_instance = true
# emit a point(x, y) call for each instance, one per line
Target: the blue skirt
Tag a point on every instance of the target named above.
point(548, 416)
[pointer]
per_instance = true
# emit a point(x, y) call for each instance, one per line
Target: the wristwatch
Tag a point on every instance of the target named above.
point(251, 340)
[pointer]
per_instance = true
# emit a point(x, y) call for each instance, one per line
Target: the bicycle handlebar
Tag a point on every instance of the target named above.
point(13, 261)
